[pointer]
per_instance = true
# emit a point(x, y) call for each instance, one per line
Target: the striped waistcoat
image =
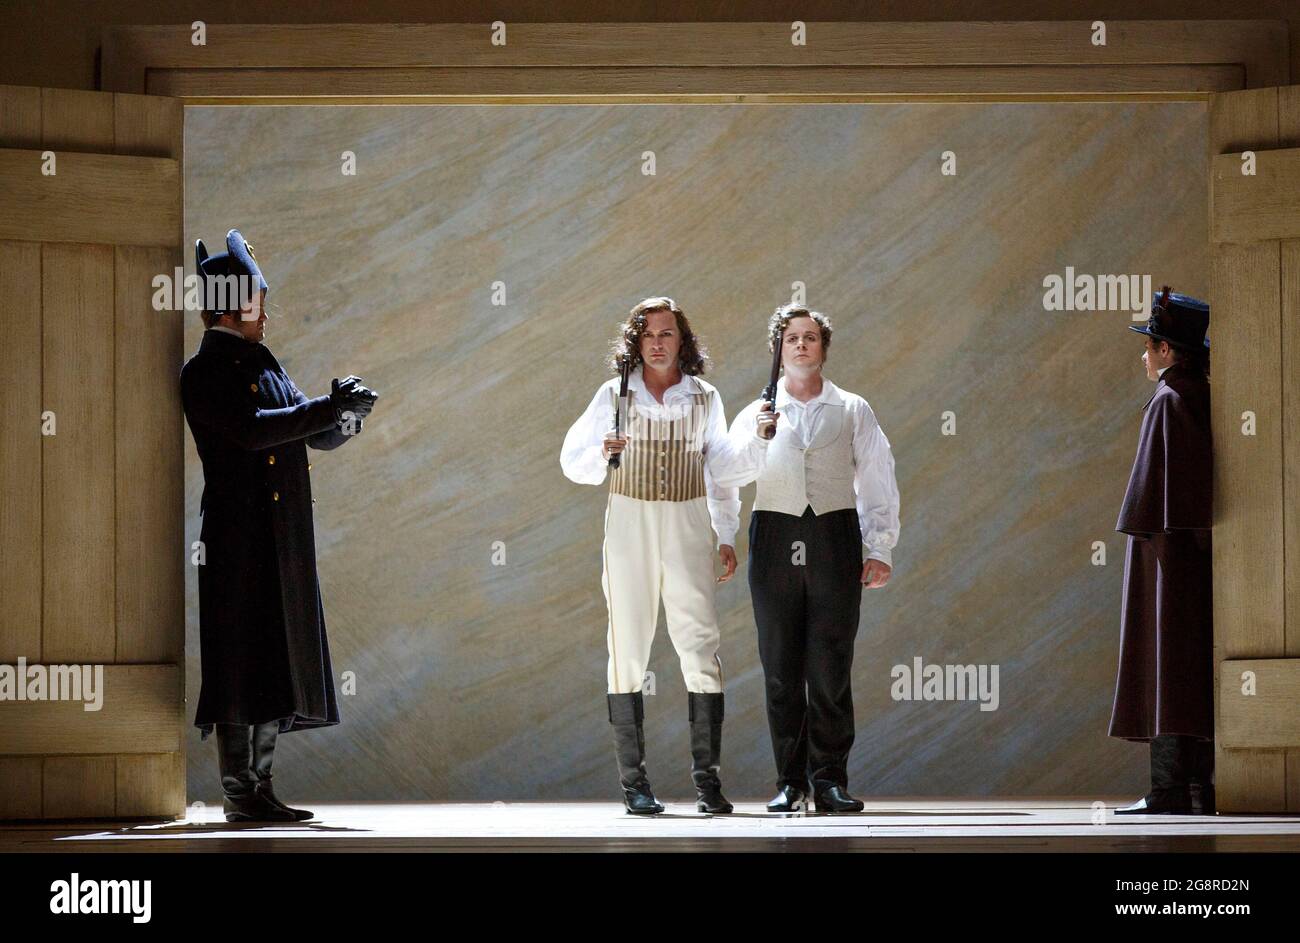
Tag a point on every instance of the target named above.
point(664, 458)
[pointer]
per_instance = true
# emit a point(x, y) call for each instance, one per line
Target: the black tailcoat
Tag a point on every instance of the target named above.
point(261, 623)
point(1166, 668)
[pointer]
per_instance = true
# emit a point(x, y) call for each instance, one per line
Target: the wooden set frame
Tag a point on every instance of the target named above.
point(1257, 269)
point(692, 61)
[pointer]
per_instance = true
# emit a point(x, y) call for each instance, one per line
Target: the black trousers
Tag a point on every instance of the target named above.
point(805, 581)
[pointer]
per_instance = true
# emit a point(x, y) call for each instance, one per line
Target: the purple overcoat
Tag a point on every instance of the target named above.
point(1166, 668)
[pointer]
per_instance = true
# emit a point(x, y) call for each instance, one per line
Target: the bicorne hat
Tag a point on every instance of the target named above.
point(1179, 319)
point(237, 260)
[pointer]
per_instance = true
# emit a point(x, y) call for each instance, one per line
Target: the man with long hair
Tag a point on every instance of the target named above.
point(672, 490)
point(824, 525)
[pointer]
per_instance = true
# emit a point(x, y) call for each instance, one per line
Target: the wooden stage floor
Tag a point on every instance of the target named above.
point(889, 825)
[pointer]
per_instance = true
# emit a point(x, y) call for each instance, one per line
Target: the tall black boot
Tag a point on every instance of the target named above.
point(1169, 793)
point(626, 714)
point(243, 802)
point(705, 711)
point(1201, 777)
point(264, 738)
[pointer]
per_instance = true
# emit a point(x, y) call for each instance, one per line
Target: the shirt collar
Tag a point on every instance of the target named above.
point(636, 382)
point(829, 394)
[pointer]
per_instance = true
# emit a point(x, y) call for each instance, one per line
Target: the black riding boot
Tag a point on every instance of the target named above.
point(1201, 777)
point(1169, 793)
point(626, 714)
point(264, 737)
point(705, 712)
point(243, 801)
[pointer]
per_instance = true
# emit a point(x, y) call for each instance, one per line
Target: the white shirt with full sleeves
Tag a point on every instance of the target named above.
point(724, 468)
point(874, 482)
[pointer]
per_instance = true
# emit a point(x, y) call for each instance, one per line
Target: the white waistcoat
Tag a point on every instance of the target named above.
point(821, 475)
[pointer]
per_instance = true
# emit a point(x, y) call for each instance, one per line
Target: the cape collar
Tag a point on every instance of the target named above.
point(1173, 373)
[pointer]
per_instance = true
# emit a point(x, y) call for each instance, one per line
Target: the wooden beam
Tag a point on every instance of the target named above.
point(1260, 206)
point(20, 452)
point(96, 198)
point(1259, 47)
point(1257, 703)
point(217, 86)
point(138, 715)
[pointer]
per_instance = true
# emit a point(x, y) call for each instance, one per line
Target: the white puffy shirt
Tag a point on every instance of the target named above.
point(875, 489)
point(725, 469)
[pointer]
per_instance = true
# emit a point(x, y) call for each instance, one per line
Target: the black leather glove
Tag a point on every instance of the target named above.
point(349, 396)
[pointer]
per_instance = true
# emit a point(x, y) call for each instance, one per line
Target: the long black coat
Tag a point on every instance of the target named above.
point(1166, 667)
point(265, 655)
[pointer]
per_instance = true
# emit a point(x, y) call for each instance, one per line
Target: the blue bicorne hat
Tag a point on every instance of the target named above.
point(1179, 319)
point(238, 261)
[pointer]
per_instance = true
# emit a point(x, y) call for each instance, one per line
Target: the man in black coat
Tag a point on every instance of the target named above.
point(1164, 692)
point(265, 657)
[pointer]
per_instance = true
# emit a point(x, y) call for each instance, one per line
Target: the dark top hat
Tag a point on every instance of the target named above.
point(237, 260)
point(1179, 319)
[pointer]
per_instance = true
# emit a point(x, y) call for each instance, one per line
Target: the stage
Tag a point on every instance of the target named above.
point(890, 825)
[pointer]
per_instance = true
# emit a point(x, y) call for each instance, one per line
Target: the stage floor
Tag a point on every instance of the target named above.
point(1013, 825)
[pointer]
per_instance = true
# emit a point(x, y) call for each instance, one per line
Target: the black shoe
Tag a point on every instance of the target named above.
point(1172, 801)
point(1202, 799)
point(833, 798)
point(253, 807)
point(705, 713)
point(626, 713)
point(789, 799)
point(243, 802)
point(264, 738)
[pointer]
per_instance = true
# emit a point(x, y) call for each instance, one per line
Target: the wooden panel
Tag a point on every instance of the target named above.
point(20, 116)
point(1293, 780)
point(756, 83)
point(20, 787)
point(151, 785)
point(1250, 495)
point(1288, 114)
point(1245, 334)
point(138, 714)
point(1291, 441)
point(91, 198)
point(20, 452)
point(1250, 781)
point(1266, 719)
point(73, 120)
point(1265, 205)
point(1243, 120)
point(130, 52)
point(80, 787)
point(150, 463)
point(79, 540)
point(382, 45)
point(148, 126)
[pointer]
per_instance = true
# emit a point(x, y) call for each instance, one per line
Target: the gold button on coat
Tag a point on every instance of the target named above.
point(275, 496)
point(270, 460)
point(253, 387)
